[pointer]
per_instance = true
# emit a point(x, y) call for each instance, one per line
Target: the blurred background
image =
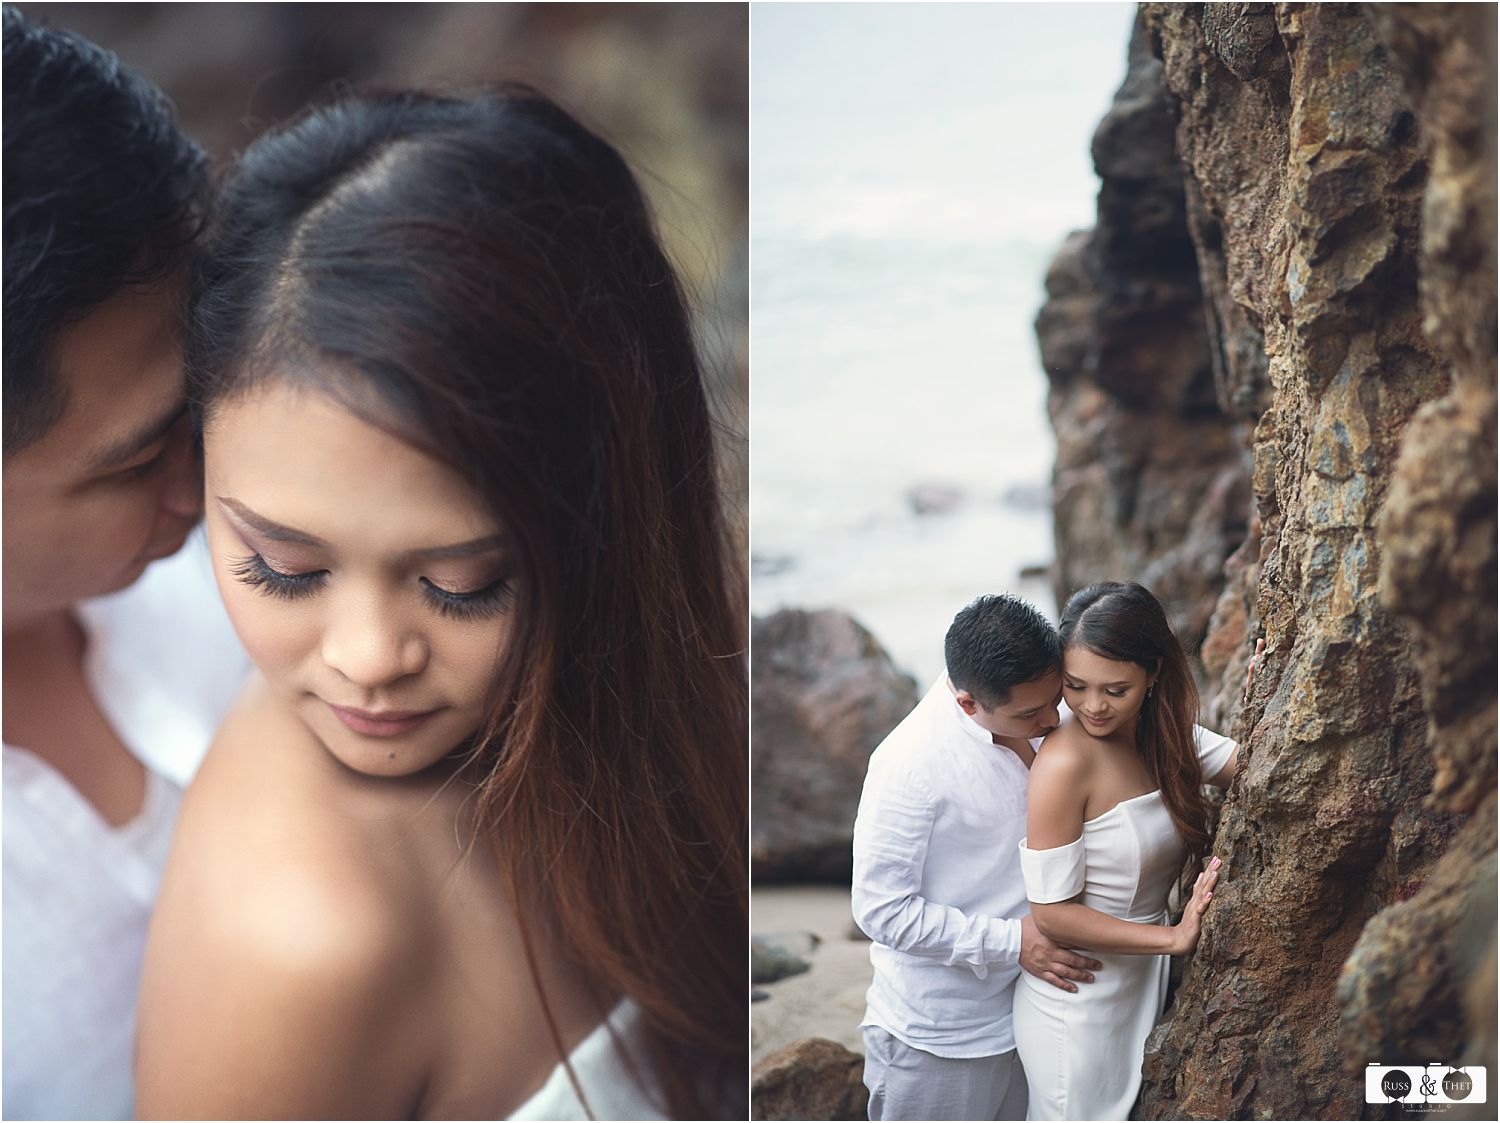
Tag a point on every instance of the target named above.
point(916, 167)
point(665, 83)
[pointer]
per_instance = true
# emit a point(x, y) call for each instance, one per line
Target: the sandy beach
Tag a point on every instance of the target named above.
point(827, 1001)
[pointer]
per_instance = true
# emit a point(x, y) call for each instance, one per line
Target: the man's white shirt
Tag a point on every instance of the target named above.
point(164, 665)
point(937, 880)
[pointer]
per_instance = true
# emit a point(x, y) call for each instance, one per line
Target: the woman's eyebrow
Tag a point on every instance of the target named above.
point(475, 547)
point(272, 530)
point(277, 532)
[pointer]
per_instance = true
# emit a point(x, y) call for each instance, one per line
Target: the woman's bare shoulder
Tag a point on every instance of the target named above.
point(271, 908)
point(1067, 752)
point(1057, 792)
point(301, 978)
point(267, 846)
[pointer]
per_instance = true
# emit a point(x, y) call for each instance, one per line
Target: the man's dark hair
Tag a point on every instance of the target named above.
point(996, 643)
point(101, 190)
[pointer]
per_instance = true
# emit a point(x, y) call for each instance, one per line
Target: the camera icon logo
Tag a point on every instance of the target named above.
point(1430, 1083)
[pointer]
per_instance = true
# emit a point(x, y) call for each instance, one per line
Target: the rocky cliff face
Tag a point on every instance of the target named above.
point(1151, 480)
point(1336, 170)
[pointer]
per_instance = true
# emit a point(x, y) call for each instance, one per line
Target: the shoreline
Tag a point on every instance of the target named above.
point(828, 1000)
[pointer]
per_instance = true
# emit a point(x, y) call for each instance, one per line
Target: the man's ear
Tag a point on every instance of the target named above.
point(966, 702)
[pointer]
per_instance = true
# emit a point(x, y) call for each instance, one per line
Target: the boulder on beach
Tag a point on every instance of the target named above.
point(810, 1079)
point(935, 499)
point(823, 694)
point(780, 955)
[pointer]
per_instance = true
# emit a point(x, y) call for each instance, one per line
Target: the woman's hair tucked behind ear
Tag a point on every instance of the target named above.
point(481, 276)
point(1125, 622)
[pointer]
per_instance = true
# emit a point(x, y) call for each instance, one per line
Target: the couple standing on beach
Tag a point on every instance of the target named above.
point(1001, 834)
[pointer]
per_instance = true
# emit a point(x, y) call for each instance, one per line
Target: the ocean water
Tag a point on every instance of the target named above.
point(914, 169)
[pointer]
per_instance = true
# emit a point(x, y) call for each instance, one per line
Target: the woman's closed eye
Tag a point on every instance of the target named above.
point(488, 600)
point(1113, 692)
point(255, 572)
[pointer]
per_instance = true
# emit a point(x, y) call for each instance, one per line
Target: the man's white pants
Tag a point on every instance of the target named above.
point(908, 1083)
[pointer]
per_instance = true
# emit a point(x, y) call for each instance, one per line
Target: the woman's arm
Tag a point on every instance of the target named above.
point(1077, 925)
point(1055, 800)
point(1225, 776)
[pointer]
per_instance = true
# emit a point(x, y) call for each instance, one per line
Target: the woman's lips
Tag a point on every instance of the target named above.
point(1095, 720)
point(385, 723)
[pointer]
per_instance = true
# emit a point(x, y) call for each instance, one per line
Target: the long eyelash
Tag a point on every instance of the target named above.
point(254, 571)
point(491, 600)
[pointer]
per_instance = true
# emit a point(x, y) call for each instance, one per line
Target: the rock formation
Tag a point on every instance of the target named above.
point(1151, 481)
point(779, 955)
point(810, 1079)
point(823, 694)
point(1336, 171)
point(1435, 953)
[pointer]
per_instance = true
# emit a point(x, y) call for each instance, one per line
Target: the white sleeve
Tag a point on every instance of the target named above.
point(1053, 875)
point(1214, 751)
point(891, 833)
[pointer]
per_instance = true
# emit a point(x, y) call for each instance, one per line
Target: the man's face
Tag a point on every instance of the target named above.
point(1031, 710)
point(114, 484)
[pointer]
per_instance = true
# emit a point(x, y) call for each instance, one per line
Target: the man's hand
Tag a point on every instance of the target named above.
point(1051, 963)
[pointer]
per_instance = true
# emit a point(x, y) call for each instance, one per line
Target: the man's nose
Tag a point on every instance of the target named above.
point(183, 496)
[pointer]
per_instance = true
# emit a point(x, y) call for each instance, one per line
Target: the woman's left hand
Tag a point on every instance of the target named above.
point(1187, 929)
point(1260, 648)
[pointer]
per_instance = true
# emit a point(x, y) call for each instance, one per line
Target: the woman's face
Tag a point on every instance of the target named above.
point(367, 581)
point(1105, 694)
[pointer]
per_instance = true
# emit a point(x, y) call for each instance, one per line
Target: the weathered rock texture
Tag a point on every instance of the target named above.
point(811, 1079)
point(1422, 975)
point(1151, 481)
point(1336, 164)
point(823, 694)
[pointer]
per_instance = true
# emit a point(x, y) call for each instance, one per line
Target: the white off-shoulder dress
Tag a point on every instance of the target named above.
point(1082, 1051)
point(612, 1084)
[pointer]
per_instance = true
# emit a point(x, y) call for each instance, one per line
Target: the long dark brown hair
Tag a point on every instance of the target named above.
point(1124, 621)
point(481, 276)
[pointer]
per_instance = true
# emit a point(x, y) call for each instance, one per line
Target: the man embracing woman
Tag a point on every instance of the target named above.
point(1017, 839)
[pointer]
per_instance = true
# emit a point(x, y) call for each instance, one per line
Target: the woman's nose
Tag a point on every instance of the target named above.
point(367, 644)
